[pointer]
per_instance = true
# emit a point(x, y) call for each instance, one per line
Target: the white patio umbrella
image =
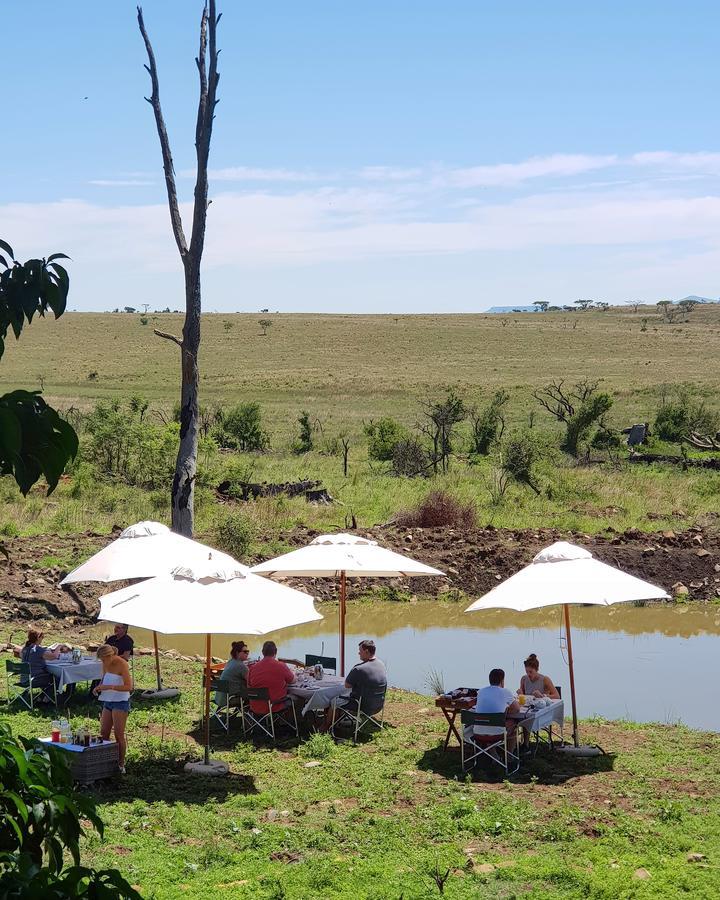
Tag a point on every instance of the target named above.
point(206, 598)
point(144, 550)
point(565, 574)
point(342, 556)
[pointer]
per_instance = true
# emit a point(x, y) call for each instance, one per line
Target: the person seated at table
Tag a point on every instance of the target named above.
point(534, 684)
point(235, 671)
point(272, 674)
point(36, 656)
point(121, 641)
point(367, 676)
point(496, 698)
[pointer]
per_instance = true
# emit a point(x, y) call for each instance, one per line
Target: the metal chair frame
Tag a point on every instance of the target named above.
point(218, 712)
point(17, 691)
point(265, 721)
point(358, 717)
point(489, 725)
point(329, 663)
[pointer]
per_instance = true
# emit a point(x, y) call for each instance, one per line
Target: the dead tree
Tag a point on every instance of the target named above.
point(183, 486)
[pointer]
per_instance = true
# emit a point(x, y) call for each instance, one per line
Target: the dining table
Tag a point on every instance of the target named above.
point(533, 716)
point(317, 693)
point(68, 672)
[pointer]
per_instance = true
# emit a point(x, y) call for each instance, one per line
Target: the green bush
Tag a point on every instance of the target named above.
point(488, 423)
point(677, 419)
point(240, 428)
point(42, 820)
point(521, 450)
point(382, 436)
point(234, 534)
point(304, 441)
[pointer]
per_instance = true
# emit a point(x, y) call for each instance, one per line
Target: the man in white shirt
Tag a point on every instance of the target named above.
point(497, 699)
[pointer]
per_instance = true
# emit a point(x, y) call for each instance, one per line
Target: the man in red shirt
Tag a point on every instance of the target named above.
point(272, 674)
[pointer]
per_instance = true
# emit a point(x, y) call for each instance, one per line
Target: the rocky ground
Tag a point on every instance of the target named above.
point(686, 564)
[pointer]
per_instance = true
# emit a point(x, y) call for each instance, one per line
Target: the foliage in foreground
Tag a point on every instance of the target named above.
point(41, 820)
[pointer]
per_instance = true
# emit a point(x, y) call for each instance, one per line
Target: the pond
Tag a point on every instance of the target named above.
point(647, 664)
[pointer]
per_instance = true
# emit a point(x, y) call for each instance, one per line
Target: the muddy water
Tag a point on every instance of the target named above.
point(655, 663)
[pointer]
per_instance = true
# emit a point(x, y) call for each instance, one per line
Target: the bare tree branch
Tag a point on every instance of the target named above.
point(169, 168)
point(168, 337)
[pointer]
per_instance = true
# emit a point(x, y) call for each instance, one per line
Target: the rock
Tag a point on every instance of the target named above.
point(648, 551)
point(717, 567)
point(485, 868)
point(696, 857)
point(670, 535)
point(679, 588)
point(312, 764)
point(144, 651)
point(641, 874)
point(702, 552)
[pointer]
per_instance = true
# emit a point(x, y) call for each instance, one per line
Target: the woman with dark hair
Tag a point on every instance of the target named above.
point(235, 671)
point(36, 656)
point(533, 684)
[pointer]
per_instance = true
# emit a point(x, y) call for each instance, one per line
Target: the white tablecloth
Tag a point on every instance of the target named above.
point(71, 673)
point(535, 720)
point(318, 694)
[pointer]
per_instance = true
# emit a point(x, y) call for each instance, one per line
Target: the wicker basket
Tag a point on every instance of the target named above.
point(91, 763)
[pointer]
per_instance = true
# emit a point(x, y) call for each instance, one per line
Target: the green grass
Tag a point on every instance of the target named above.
point(382, 819)
point(346, 370)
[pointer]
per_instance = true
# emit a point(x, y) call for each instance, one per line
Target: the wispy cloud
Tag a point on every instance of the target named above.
point(509, 174)
point(119, 182)
point(248, 173)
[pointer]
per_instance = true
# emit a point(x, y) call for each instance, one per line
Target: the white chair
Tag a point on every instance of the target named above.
point(490, 727)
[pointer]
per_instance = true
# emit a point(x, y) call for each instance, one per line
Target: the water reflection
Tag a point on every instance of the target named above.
point(640, 663)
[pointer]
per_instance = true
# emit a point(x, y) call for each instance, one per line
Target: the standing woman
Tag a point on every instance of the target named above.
point(114, 693)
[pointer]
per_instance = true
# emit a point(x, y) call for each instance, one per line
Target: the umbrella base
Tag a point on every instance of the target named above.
point(583, 751)
point(214, 767)
point(162, 694)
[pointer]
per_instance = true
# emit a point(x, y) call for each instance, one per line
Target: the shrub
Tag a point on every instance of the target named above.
point(240, 428)
point(488, 423)
point(42, 820)
point(410, 458)
point(520, 451)
point(234, 534)
point(383, 435)
point(677, 419)
point(438, 509)
point(304, 440)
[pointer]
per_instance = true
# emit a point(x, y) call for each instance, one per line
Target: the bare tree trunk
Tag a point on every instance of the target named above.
point(183, 485)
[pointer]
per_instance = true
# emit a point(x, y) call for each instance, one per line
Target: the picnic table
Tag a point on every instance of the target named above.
point(68, 672)
point(318, 694)
point(529, 718)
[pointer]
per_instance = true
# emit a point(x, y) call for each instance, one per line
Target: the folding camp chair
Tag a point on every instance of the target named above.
point(266, 721)
point(20, 685)
point(329, 663)
point(358, 718)
point(219, 711)
point(482, 735)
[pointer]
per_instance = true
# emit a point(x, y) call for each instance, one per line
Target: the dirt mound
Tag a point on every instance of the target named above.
point(475, 560)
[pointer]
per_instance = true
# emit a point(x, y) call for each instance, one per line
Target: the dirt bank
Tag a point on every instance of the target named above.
point(474, 560)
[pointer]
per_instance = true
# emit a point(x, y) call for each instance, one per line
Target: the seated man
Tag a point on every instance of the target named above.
point(121, 641)
point(369, 675)
point(272, 674)
point(495, 698)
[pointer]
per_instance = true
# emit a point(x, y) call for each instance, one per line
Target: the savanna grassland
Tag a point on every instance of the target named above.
point(347, 370)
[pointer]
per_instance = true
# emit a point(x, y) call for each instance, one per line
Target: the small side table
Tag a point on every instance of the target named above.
point(92, 763)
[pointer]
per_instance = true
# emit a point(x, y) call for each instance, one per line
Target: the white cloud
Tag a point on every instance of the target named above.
point(507, 174)
point(116, 182)
point(248, 173)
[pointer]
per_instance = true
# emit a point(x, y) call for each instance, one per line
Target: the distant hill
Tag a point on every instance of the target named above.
point(511, 309)
point(696, 299)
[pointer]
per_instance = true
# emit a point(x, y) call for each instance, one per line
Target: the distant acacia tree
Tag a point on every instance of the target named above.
point(542, 305)
point(265, 324)
point(584, 304)
point(183, 485)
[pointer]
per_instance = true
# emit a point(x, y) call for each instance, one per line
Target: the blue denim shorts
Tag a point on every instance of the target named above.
point(118, 705)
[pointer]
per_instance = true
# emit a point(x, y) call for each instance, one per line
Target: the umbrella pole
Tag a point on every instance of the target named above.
point(572, 673)
point(208, 661)
point(341, 614)
point(157, 661)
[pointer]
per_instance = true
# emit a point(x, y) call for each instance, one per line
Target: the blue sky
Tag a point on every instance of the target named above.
point(371, 157)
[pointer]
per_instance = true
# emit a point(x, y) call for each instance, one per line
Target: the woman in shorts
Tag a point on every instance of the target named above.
point(114, 692)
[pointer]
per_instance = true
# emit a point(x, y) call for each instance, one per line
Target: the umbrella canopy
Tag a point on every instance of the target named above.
point(565, 574)
point(329, 555)
point(143, 550)
point(207, 598)
point(341, 556)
